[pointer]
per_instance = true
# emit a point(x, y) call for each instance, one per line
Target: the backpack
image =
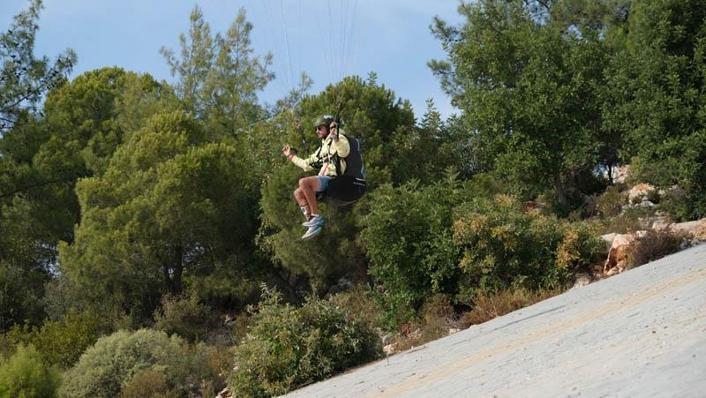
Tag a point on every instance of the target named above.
point(350, 186)
point(354, 161)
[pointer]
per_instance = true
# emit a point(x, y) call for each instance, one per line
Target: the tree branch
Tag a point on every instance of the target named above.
point(39, 185)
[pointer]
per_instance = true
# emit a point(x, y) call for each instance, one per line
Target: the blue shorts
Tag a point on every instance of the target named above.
point(323, 183)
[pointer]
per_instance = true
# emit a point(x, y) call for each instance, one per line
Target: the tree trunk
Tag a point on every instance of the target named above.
point(560, 192)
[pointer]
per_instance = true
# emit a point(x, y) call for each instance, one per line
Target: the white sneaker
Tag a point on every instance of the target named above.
point(316, 221)
point(311, 232)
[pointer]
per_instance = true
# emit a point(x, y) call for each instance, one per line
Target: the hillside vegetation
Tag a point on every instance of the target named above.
point(149, 241)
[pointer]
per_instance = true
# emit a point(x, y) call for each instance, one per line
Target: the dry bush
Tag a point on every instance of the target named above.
point(148, 383)
point(491, 305)
point(436, 317)
point(656, 244)
point(626, 222)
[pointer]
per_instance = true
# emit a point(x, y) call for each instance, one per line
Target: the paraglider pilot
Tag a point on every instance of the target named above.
point(334, 146)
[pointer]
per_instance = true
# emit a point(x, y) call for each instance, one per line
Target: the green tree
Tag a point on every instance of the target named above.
point(528, 92)
point(172, 207)
point(25, 254)
point(656, 82)
point(426, 150)
point(372, 114)
point(41, 161)
point(24, 79)
point(219, 77)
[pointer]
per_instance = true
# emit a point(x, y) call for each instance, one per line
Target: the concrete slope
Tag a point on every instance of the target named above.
point(638, 334)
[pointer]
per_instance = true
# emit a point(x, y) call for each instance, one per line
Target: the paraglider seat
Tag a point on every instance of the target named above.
point(343, 191)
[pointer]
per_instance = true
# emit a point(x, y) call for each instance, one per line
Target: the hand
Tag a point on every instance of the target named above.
point(333, 131)
point(286, 150)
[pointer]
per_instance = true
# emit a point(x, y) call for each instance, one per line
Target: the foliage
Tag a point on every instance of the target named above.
point(288, 347)
point(408, 241)
point(114, 361)
point(42, 160)
point(436, 317)
point(625, 222)
point(169, 205)
point(219, 76)
point(489, 305)
point(655, 80)
point(62, 342)
point(24, 79)
point(360, 300)
point(579, 248)
point(611, 202)
point(148, 383)
point(528, 92)
point(26, 375)
point(427, 149)
point(20, 294)
point(504, 246)
point(184, 316)
point(372, 114)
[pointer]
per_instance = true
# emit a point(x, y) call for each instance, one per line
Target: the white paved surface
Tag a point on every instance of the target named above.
point(638, 334)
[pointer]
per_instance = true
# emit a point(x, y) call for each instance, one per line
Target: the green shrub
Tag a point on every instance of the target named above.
point(215, 364)
point(676, 203)
point(407, 237)
point(184, 316)
point(360, 300)
point(504, 246)
point(580, 248)
point(114, 360)
point(288, 347)
point(16, 335)
point(62, 342)
point(26, 375)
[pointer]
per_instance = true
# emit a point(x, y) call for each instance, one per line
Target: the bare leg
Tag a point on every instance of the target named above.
point(300, 198)
point(309, 186)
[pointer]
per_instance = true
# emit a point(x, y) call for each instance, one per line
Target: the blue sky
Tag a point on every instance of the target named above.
point(327, 39)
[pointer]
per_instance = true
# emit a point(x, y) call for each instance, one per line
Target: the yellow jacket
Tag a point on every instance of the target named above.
point(324, 155)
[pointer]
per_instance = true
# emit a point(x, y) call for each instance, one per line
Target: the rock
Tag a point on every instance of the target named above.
point(225, 393)
point(660, 222)
point(342, 285)
point(640, 193)
point(454, 331)
point(619, 252)
point(621, 173)
point(390, 349)
point(608, 239)
point(582, 280)
point(697, 228)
